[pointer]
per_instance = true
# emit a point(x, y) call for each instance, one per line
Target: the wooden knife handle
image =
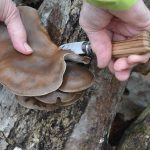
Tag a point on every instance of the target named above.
point(136, 45)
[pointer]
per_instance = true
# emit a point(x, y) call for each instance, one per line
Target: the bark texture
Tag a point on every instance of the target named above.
point(33, 3)
point(82, 126)
point(138, 135)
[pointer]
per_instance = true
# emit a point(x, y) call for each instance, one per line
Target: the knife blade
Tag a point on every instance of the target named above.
point(81, 48)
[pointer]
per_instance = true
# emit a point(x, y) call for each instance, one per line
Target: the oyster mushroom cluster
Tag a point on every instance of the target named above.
point(47, 79)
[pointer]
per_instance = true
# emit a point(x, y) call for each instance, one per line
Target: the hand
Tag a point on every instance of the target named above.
point(9, 14)
point(103, 26)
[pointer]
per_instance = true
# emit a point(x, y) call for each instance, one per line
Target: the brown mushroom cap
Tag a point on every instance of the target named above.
point(34, 103)
point(76, 78)
point(36, 74)
point(54, 97)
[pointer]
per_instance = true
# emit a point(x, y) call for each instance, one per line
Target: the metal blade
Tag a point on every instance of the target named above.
point(76, 47)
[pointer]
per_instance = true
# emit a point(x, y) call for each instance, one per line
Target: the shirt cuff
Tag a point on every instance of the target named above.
point(119, 5)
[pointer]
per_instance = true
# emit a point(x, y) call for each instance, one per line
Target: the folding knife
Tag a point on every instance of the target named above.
point(134, 46)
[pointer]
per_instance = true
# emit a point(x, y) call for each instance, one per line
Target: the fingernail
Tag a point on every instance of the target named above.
point(27, 47)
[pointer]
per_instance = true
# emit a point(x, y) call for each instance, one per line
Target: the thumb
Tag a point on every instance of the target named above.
point(16, 29)
point(101, 45)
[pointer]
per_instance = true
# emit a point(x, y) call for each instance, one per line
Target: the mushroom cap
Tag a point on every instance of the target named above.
point(39, 73)
point(76, 78)
point(56, 96)
point(33, 103)
point(35, 74)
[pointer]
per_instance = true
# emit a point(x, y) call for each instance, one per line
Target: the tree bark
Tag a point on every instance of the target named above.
point(84, 125)
point(138, 135)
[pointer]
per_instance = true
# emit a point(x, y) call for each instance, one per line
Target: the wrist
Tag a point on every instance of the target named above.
point(118, 5)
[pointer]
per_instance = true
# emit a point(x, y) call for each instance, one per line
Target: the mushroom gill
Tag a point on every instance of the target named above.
point(39, 73)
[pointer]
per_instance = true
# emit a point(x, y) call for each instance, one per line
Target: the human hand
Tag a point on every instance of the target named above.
point(103, 26)
point(9, 14)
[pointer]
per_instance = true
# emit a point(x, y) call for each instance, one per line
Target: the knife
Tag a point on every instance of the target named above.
point(80, 48)
point(136, 45)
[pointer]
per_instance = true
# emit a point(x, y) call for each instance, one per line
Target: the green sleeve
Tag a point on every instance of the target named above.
point(113, 4)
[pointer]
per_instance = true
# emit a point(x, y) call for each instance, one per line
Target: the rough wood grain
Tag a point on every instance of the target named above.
point(136, 45)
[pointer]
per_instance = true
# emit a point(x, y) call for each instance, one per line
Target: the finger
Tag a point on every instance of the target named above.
point(118, 37)
point(123, 75)
point(134, 59)
point(16, 29)
point(101, 45)
point(96, 20)
point(120, 75)
point(121, 64)
point(124, 29)
point(111, 67)
point(94, 24)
